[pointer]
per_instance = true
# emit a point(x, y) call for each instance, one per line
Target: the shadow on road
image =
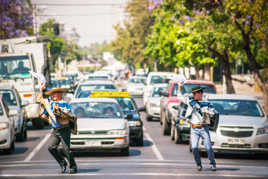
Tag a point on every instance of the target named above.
point(147, 143)
point(223, 169)
point(115, 153)
point(242, 156)
point(87, 170)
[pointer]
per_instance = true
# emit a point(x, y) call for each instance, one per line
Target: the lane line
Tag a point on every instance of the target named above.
point(37, 148)
point(154, 148)
point(214, 174)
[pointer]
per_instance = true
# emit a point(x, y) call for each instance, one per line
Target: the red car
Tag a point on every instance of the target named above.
point(171, 98)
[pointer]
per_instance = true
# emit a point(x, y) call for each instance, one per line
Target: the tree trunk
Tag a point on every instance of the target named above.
point(226, 69)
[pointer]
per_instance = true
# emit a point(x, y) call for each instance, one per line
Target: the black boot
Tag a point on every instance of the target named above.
point(63, 166)
point(73, 170)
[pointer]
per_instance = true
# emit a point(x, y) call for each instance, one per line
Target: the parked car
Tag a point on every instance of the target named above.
point(171, 98)
point(155, 78)
point(135, 85)
point(129, 107)
point(14, 102)
point(7, 128)
point(242, 125)
point(100, 125)
point(153, 102)
point(93, 85)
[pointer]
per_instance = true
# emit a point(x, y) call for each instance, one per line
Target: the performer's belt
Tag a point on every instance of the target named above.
point(198, 125)
point(61, 127)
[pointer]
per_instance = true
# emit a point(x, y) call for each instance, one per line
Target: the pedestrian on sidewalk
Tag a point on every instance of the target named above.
point(61, 128)
point(200, 128)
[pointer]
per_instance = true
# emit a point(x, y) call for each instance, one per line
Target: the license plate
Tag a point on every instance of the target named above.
point(93, 143)
point(236, 141)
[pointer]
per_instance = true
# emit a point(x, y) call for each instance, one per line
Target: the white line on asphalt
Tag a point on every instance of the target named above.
point(154, 148)
point(37, 148)
point(214, 174)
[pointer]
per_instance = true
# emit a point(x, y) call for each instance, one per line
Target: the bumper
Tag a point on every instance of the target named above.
point(32, 111)
point(99, 142)
point(253, 144)
point(154, 111)
point(4, 139)
point(135, 132)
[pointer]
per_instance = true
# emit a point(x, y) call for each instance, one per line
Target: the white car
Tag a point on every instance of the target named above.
point(13, 100)
point(95, 85)
point(153, 102)
point(7, 128)
point(100, 125)
point(156, 78)
point(135, 85)
point(242, 124)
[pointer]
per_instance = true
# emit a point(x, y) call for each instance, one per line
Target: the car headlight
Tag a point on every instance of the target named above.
point(262, 131)
point(117, 132)
point(153, 105)
point(4, 125)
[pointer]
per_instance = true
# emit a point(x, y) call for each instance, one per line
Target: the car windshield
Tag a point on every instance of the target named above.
point(12, 67)
point(97, 77)
point(156, 79)
point(187, 88)
point(137, 80)
point(157, 90)
point(91, 87)
point(126, 105)
point(237, 107)
point(96, 110)
point(9, 97)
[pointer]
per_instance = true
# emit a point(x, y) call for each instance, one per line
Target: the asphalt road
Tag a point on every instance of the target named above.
point(159, 158)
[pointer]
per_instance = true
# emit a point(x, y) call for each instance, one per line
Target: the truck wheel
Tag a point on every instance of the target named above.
point(177, 136)
point(125, 151)
point(165, 127)
point(38, 123)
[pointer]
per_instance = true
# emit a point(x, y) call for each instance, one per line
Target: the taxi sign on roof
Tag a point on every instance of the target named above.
point(95, 94)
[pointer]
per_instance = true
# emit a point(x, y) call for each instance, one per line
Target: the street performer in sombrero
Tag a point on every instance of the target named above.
point(55, 113)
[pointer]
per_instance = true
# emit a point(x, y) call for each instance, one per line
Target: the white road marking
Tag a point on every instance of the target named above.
point(37, 148)
point(214, 174)
point(154, 148)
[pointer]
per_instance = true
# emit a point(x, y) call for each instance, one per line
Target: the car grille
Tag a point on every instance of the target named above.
point(236, 131)
point(92, 132)
point(246, 146)
point(236, 134)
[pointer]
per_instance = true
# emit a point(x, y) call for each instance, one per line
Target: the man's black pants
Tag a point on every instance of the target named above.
point(62, 136)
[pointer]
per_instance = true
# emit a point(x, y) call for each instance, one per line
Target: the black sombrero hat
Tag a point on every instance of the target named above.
point(197, 89)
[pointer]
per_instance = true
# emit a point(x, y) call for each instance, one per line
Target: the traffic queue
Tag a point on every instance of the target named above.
point(108, 117)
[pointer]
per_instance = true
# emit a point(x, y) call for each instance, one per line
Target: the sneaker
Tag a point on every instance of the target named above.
point(213, 168)
point(63, 167)
point(72, 170)
point(199, 167)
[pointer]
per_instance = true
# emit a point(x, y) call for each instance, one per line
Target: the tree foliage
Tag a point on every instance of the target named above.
point(16, 19)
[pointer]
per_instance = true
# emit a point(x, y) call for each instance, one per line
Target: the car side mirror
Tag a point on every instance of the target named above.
point(128, 116)
point(141, 109)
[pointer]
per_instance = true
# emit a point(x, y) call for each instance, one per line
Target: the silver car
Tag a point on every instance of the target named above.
point(242, 124)
point(100, 125)
point(135, 85)
point(153, 102)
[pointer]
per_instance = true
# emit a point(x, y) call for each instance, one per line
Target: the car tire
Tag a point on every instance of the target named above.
point(172, 130)
point(22, 136)
point(125, 151)
point(165, 127)
point(11, 149)
point(38, 123)
point(148, 118)
point(161, 117)
point(177, 136)
point(190, 144)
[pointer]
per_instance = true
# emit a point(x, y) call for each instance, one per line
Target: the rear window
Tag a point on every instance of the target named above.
point(187, 88)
